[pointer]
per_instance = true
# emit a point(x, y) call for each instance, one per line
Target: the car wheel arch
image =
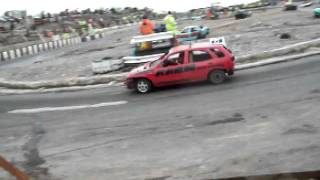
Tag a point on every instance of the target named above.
point(137, 78)
point(217, 79)
point(216, 69)
point(143, 85)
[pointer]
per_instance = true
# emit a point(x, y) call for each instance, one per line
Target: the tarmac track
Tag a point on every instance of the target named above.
point(262, 121)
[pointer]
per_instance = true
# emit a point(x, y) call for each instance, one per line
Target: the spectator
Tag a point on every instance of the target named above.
point(146, 26)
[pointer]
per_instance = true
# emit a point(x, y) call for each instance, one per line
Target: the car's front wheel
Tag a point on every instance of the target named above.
point(143, 86)
point(217, 76)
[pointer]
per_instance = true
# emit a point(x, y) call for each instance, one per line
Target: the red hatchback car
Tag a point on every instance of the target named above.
point(184, 64)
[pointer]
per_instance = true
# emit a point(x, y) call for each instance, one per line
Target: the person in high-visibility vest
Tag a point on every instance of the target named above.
point(170, 22)
point(146, 26)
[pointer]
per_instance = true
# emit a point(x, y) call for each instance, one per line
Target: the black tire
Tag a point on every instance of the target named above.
point(143, 86)
point(203, 36)
point(217, 76)
point(230, 73)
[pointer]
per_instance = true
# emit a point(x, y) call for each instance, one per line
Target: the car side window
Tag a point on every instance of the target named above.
point(175, 59)
point(193, 29)
point(199, 56)
point(197, 29)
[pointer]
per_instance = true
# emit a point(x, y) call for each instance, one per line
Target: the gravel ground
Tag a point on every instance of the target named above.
point(72, 61)
point(261, 32)
point(252, 35)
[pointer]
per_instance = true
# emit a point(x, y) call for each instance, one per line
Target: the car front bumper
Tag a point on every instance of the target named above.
point(130, 83)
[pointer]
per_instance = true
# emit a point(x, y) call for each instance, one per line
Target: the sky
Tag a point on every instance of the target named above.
point(36, 6)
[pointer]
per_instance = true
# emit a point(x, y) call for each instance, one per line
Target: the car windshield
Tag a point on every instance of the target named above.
point(185, 30)
point(155, 63)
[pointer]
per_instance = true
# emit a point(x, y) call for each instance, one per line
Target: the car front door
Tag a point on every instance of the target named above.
point(185, 35)
point(195, 32)
point(171, 70)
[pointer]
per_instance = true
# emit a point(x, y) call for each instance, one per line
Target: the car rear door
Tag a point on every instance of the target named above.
point(201, 59)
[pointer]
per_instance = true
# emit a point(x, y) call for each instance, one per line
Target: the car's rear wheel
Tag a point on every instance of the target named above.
point(217, 76)
point(143, 86)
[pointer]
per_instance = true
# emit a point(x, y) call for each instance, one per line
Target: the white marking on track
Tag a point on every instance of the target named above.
point(66, 108)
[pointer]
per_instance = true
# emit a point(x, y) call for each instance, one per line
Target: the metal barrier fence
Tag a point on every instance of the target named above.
point(28, 50)
point(34, 49)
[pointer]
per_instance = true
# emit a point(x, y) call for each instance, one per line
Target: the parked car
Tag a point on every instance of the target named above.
point(242, 14)
point(290, 7)
point(184, 64)
point(160, 28)
point(191, 33)
point(316, 12)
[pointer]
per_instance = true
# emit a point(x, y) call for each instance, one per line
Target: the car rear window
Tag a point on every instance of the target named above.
point(217, 52)
point(198, 56)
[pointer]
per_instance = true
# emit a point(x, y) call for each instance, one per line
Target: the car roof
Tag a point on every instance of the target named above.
point(179, 48)
point(200, 45)
point(187, 27)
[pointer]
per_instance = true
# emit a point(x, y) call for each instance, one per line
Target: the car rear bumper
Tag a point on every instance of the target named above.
point(230, 72)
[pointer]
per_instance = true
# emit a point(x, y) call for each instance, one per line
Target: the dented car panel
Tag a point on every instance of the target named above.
point(183, 64)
